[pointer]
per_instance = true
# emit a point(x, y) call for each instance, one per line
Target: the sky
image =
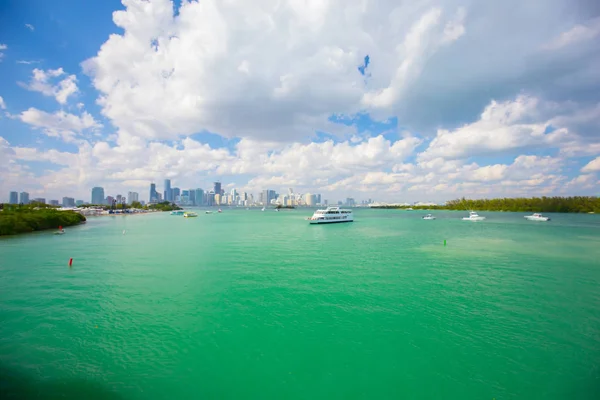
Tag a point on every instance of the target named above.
point(396, 101)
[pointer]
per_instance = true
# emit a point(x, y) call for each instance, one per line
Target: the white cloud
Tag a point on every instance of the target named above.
point(59, 124)
point(592, 166)
point(578, 33)
point(30, 27)
point(46, 83)
point(2, 103)
point(27, 62)
point(2, 48)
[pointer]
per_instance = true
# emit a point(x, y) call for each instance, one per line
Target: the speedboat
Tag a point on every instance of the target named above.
point(263, 209)
point(331, 215)
point(219, 210)
point(208, 212)
point(428, 217)
point(60, 232)
point(189, 214)
point(473, 216)
point(537, 217)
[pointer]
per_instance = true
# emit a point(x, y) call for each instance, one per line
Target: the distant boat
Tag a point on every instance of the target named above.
point(537, 217)
point(208, 212)
point(473, 216)
point(277, 209)
point(60, 231)
point(190, 214)
point(263, 209)
point(220, 210)
point(429, 217)
point(331, 215)
point(409, 209)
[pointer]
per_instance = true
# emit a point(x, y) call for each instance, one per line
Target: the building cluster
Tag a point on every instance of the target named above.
point(215, 196)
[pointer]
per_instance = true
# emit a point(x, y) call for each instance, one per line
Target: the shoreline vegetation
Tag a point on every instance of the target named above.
point(15, 219)
point(577, 204)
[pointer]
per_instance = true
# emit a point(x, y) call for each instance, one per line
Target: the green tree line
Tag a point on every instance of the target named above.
point(34, 217)
point(575, 204)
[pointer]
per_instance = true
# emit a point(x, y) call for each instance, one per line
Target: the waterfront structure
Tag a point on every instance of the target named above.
point(53, 202)
point(14, 198)
point(79, 202)
point(168, 193)
point(133, 196)
point(97, 195)
point(24, 198)
point(40, 200)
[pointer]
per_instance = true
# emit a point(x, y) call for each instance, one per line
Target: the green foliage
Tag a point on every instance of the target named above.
point(577, 204)
point(28, 218)
point(164, 206)
point(136, 204)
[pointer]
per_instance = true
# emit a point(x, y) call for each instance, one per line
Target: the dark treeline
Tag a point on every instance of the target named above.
point(577, 204)
point(34, 217)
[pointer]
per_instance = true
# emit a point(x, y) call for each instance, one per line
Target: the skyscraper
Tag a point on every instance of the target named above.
point(218, 188)
point(199, 197)
point(267, 196)
point(168, 193)
point(40, 200)
point(24, 197)
point(153, 194)
point(175, 193)
point(53, 202)
point(14, 198)
point(97, 195)
point(68, 202)
point(192, 197)
point(133, 196)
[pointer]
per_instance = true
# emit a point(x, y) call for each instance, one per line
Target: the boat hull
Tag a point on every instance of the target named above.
point(537, 219)
point(328, 222)
point(473, 219)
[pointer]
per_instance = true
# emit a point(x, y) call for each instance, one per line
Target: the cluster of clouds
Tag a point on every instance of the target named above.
point(488, 104)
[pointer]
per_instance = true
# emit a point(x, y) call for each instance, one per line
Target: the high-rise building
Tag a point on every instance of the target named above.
point(78, 202)
point(24, 198)
point(153, 194)
point(267, 196)
point(199, 197)
point(217, 188)
point(14, 198)
point(133, 196)
point(217, 199)
point(168, 195)
point(97, 195)
point(53, 202)
point(68, 202)
point(40, 200)
point(119, 199)
point(109, 201)
point(210, 198)
point(318, 199)
point(310, 199)
point(192, 197)
point(175, 192)
point(350, 202)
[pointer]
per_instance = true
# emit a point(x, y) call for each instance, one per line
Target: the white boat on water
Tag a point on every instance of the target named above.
point(208, 212)
point(537, 217)
point(189, 214)
point(60, 232)
point(219, 210)
point(331, 215)
point(429, 217)
point(473, 216)
point(263, 209)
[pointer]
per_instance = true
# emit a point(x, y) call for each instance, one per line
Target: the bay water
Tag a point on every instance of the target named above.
point(261, 305)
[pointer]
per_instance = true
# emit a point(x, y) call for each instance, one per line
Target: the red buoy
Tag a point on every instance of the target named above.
point(70, 262)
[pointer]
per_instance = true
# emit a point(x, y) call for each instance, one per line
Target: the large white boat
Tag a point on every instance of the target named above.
point(189, 214)
point(429, 217)
point(473, 216)
point(537, 217)
point(331, 215)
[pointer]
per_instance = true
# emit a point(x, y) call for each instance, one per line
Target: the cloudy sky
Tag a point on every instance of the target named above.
point(392, 100)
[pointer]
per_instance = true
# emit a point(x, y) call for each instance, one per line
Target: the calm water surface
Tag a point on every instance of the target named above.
point(261, 305)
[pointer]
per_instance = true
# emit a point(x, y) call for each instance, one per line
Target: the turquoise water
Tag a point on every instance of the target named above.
point(262, 305)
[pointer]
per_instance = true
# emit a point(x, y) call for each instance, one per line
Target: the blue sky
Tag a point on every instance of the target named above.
point(427, 102)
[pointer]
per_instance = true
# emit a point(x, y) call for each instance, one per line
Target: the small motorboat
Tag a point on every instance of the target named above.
point(208, 212)
point(219, 211)
point(189, 214)
point(263, 209)
point(537, 217)
point(60, 231)
point(429, 217)
point(473, 216)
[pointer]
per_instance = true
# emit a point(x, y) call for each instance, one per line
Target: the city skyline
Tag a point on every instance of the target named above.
point(380, 100)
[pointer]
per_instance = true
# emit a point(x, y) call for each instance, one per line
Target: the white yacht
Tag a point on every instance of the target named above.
point(429, 217)
point(331, 215)
point(537, 217)
point(473, 216)
point(189, 214)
